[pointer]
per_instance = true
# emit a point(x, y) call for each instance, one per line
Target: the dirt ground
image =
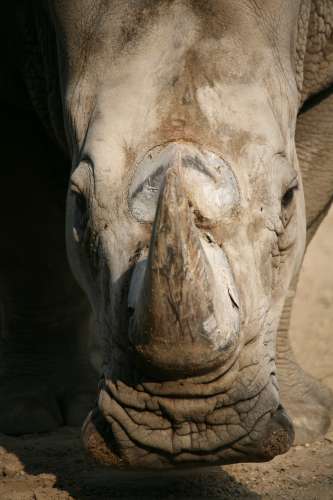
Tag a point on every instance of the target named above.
point(53, 467)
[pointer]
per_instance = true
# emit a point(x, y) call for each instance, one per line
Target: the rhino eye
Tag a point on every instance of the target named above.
point(81, 203)
point(289, 195)
point(287, 204)
point(80, 214)
point(288, 198)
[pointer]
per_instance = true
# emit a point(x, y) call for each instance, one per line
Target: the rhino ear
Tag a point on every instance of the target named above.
point(314, 47)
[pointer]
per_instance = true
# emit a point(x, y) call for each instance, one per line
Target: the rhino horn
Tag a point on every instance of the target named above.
point(176, 326)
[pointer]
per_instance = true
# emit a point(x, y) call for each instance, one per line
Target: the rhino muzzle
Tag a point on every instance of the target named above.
point(195, 391)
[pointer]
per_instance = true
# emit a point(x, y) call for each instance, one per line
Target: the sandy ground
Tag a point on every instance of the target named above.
point(53, 466)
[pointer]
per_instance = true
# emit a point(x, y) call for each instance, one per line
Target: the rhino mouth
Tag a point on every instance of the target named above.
point(151, 426)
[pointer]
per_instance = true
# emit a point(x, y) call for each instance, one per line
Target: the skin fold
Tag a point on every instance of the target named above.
point(194, 142)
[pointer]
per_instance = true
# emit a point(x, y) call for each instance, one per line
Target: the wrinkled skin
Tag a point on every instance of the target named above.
point(185, 219)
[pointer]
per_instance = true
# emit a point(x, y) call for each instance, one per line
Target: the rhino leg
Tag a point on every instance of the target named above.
point(308, 402)
point(45, 377)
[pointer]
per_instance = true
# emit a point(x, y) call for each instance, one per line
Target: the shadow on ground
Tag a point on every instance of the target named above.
point(54, 466)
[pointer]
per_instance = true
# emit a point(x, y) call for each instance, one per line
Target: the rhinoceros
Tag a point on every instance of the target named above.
point(188, 144)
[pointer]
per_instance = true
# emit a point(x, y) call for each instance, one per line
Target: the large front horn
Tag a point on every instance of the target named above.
point(186, 313)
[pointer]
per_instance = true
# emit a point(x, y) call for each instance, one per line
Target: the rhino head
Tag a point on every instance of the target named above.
point(185, 220)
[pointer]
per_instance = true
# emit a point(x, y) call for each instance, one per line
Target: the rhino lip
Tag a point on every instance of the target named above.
point(126, 444)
